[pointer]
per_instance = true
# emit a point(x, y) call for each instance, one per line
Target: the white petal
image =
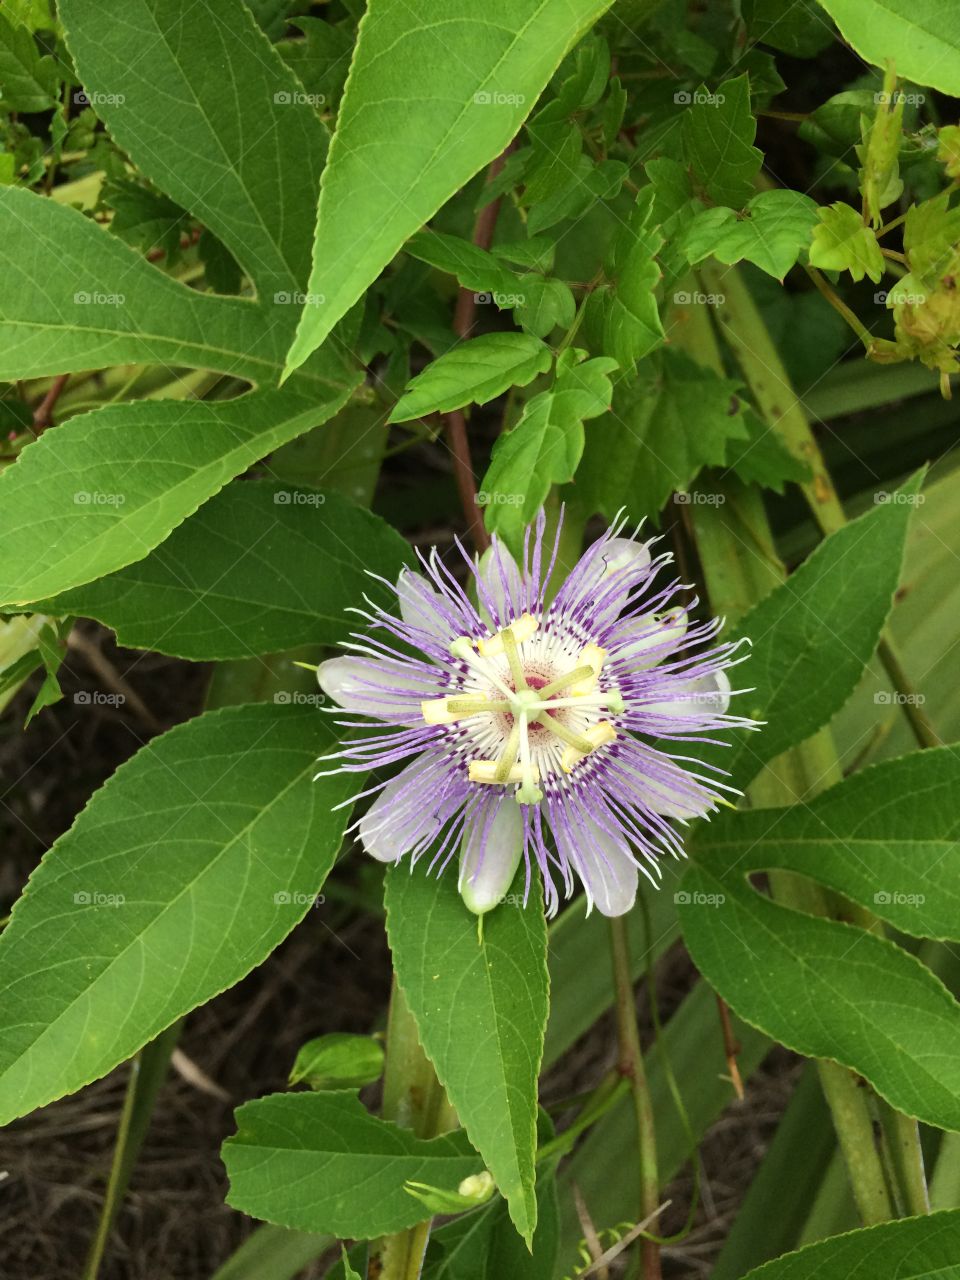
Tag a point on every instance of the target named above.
point(609, 874)
point(375, 687)
point(646, 641)
point(622, 553)
point(490, 855)
point(420, 606)
point(501, 580)
point(706, 696)
point(394, 823)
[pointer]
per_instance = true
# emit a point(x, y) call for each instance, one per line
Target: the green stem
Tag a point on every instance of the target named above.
point(746, 334)
point(414, 1098)
point(631, 1067)
point(798, 773)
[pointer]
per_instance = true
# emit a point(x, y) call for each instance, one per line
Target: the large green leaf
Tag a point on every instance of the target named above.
point(208, 110)
point(182, 873)
point(322, 1162)
point(260, 568)
point(407, 140)
point(106, 305)
point(922, 36)
point(813, 635)
point(925, 1248)
point(887, 838)
point(105, 488)
point(828, 990)
point(481, 1007)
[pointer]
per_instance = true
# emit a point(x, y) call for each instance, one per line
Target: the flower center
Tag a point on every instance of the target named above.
point(523, 704)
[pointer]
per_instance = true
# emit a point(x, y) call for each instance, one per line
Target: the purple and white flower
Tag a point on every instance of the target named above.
point(526, 728)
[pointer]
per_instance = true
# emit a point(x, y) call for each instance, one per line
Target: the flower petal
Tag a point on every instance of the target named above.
point(491, 851)
point(421, 607)
point(377, 687)
point(602, 861)
point(704, 697)
point(646, 641)
point(501, 586)
point(411, 809)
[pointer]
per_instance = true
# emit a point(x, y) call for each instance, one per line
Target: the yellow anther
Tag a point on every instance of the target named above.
point(598, 736)
point(592, 656)
point(522, 629)
point(486, 771)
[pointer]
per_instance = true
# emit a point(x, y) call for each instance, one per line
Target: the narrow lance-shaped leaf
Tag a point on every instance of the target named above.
point(260, 568)
point(105, 488)
point(106, 305)
point(812, 636)
point(405, 144)
point(182, 873)
point(480, 1006)
point(208, 110)
point(474, 372)
point(322, 1162)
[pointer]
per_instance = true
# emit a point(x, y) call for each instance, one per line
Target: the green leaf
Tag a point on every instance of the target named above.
point(260, 568)
point(718, 133)
point(813, 635)
point(545, 446)
point(144, 219)
point(475, 268)
point(828, 990)
point(182, 874)
point(673, 419)
point(775, 226)
point(208, 110)
point(626, 312)
point(922, 36)
point(886, 838)
point(762, 458)
point(348, 1271)
point(910, 1249)
point(106, 305)
point(405, 142)
point(105, 488)
point(321, 1162)
point(474, 372)
point(29, 80)
point(843, 242)
point(338, 1061)
point(480, 1006)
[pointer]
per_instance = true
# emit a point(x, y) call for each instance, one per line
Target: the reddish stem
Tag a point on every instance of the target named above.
point(43, 414)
